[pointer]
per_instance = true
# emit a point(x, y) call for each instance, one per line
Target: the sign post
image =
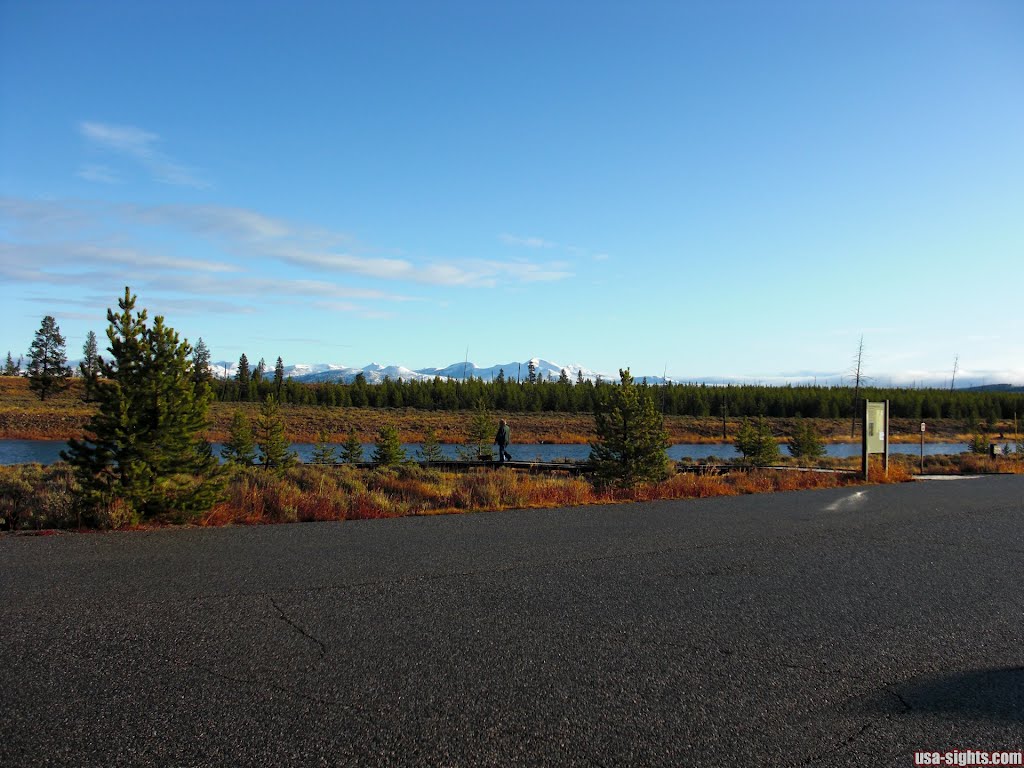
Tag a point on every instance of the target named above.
point(922, 447)
point(875, 434)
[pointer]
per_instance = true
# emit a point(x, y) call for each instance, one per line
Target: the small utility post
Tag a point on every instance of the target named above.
point(922, 446)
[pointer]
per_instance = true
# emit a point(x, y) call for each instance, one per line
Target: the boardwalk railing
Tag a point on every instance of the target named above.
point(584, 467)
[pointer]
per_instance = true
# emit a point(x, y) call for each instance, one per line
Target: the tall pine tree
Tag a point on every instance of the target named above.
point(201, 370)
point(632, 442)
point(278, 377)
point(11, 368)
point(275, 450)
point(144, 444)
point(240, 447)
point(48, 371)
point(242, 375)
point(89, 366)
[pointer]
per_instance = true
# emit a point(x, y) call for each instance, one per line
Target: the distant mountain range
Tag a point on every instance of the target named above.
point(375, 373)
point(995, 388)
point(547, 370)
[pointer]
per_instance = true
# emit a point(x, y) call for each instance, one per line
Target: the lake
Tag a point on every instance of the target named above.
point(48, 451)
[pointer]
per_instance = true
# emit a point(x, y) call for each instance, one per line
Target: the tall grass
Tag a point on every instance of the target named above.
point(32, 496)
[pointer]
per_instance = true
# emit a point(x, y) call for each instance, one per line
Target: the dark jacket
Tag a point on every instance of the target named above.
point(504, 436)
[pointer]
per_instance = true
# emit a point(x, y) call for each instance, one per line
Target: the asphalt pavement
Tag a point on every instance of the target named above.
point(833, 628)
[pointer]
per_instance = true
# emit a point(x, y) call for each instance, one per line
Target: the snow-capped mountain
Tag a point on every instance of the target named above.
point(376, 373)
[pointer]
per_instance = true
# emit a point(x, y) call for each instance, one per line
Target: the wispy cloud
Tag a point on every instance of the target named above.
point(251, 232)
point(530, 272)
point(527, 241)
point(100, 174)
point(247, 257)
point(535, 243)
point(141, 146)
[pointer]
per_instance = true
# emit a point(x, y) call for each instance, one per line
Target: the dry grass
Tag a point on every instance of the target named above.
point(24, 416)
point(343, 493)
point(41, 497)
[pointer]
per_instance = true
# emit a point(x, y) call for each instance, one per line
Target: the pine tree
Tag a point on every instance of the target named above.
point(756, 443)
point(90, 365)
point(323, 451)
point(430, 451)
point(259, 371)
point(48, 371)
point(201, 362)
point(805, 442)
point(275, 450)
point(579, 376)
point(242, 375)
point(10, 367)
point(144, 444)
point(480, 442)
point(241, 445)
point(352, 449)
point(278, 376)
point(532, 367)
point(631, 439)
point(388, 450)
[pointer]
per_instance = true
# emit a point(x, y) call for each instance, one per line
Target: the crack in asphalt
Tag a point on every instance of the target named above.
point(297, 627)
point(845, 744)
point(841, 746)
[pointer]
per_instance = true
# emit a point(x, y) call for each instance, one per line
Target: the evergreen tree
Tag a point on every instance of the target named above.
point(501, 376)
point(430, 451)
point(480, 442)
point(90, 365)
point(242, 375)
point(631, 439)
point(48, 370)
point(388, 450)
point(201, 370)
point(278, 376)
point(144, 444)
point(259, 371)
point(10, 367)
point(756, 443)
point(240, 447)
point(275, 450)
point(579, 376)
point(978, 442)
point(323, 451)
point(805, 442)
point(563, 377)
point(532, 368)
point(352, 449)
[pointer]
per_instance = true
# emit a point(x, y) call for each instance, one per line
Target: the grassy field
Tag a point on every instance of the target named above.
point(34, 497)
point(24, 416)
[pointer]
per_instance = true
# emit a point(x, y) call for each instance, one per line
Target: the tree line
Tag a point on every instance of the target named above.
point(49, 373)
point(700, 400)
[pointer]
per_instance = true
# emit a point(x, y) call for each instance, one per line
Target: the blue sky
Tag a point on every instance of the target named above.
point(719, 189)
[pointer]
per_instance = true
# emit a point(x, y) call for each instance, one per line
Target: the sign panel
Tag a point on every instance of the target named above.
point(875, 427)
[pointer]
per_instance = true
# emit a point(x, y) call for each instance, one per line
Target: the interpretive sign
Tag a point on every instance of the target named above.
point(875, 433)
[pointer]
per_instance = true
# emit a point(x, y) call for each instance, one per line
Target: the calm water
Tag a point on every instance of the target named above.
point(48, 451)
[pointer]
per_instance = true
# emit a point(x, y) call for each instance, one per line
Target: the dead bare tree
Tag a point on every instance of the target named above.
point(858, 377)
point(956, 365)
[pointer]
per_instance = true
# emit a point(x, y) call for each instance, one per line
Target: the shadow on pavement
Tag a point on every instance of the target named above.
point(985, 694)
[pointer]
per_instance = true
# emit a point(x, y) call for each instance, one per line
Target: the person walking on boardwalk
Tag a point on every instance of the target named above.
point(503, 438)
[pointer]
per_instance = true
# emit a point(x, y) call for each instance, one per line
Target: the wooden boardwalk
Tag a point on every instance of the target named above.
point(584, 468)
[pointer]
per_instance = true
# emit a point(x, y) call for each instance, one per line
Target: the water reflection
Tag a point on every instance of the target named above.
point(48, 451)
